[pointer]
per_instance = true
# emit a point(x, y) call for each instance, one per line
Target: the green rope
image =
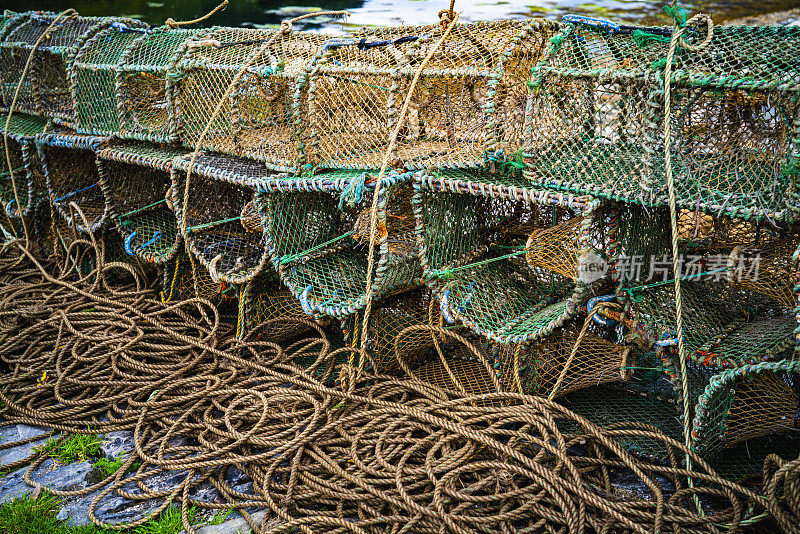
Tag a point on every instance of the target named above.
point(643, 38)
point(208, 225)
point(630, 290)
point(139, 210)
point(13, 171)
point(292, 257)
point(447, 273)
point(676, 13)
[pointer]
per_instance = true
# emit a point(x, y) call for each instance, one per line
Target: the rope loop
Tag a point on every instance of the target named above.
point(173, 24)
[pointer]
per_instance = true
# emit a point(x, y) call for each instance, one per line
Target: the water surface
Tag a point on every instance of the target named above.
point(394, 12)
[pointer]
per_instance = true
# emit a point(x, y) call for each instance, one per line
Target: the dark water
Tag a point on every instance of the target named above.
point(393, 12)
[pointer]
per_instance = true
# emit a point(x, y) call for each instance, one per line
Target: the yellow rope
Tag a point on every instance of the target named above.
point(677, 39)
point(450, 24)
point(172, 23)
point(69, 13)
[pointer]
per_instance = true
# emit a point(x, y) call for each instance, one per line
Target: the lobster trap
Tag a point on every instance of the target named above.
point(45, 89)
point(183, 278)
point(100, 68)
point(318, 234)
point(387, 340)
point(70, 170)
point(469, 102)
point(22, 170)
point(549, 367)
point(597, 117)
point(135, 180)
point(217, 218)
point(264, 115)
point(510, 262)
point(270, 310)
point(745, 404)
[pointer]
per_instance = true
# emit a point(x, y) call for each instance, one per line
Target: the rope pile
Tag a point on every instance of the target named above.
point(387, 456)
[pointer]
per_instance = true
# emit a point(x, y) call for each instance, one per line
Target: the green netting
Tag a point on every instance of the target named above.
point(45, 90)
point(135, 179)
point(597, 117)
point(318, 235)
point(746, 403)
point(474, 229)
point(70, 169)
point(215, 218)
point(469, 101)
point(26, 169)
point(618, 404)
point(93, 78)
point(145, 85)
point(268, 311)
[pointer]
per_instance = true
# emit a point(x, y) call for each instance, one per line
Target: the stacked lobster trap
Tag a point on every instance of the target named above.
point(318, 236)
point(262, 114)
point(213, 202)
point(44, 42)
point(22, 184)
point(522, 237)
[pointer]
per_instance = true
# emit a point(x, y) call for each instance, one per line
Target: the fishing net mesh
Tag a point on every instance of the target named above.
point(775, 269)
point(23, 162)
point(45, 89)
point(470, 97)
point(269, 310)
point(536, 369)
point(93, 76)
point(210, 216)
point(135, 180)
point(318, 231)
point(598, 118)
point(264, 116)
point(71, 172)
point(474, 230)
point(145, 85)
point(183, 278)
point(387, 321)
point(747, 403)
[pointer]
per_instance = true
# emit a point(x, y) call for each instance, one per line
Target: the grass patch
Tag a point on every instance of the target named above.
point(72, 448)
point(109, 467)
point(24, 515)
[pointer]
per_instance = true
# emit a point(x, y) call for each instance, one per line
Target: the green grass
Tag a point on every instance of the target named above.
point(109, 467)
point(24, 515)
point(72, 448)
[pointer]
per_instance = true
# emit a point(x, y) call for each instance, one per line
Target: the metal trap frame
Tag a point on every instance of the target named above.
point(70, 168)
point(596, 122)
point(136, 183)
point(317, 231)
